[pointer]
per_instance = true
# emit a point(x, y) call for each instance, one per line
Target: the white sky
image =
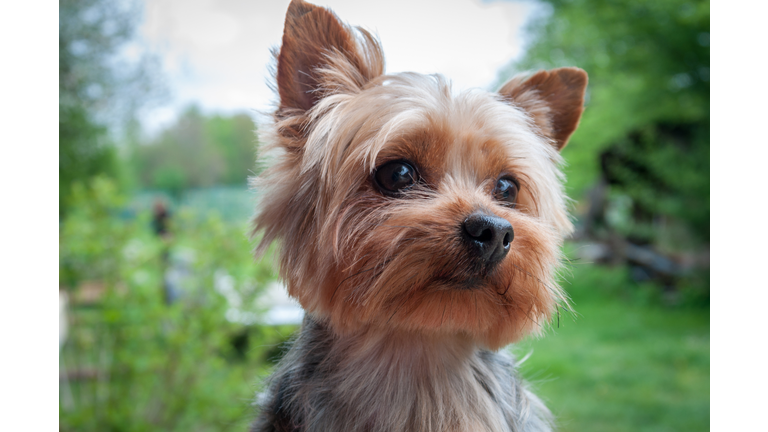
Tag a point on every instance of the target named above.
point(217, 52)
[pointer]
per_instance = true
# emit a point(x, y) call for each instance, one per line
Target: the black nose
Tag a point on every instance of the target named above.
point(489, 236)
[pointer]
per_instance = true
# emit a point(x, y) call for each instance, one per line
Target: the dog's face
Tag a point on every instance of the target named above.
point(401, 205)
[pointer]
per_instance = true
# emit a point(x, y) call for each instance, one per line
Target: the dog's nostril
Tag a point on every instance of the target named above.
point(485, 236)
point(507, 239)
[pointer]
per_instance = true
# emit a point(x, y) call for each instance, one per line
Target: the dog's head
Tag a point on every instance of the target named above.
point(399, 204)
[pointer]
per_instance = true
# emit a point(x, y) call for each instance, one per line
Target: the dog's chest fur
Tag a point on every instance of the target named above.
point(385, 382)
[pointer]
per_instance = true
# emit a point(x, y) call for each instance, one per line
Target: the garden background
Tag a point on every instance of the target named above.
point(164, 321)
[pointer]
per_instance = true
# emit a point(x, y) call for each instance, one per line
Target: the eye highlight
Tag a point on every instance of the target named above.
point(506, 190)
point(395, 177)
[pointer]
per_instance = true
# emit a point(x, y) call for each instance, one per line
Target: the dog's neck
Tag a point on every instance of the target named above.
point(419, 353)
point(393, 381)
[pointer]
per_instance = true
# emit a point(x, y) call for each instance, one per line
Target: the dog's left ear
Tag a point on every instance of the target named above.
point(554, 98)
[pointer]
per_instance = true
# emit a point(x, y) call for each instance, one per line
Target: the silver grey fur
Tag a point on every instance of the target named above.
point(306, 393)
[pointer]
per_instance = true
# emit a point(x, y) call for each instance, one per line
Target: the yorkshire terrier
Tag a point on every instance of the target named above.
point(419, 229)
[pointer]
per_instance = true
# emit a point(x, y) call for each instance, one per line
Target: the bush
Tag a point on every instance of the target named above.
point(135, 363)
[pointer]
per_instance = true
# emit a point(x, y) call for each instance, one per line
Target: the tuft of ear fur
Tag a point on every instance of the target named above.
point(554, 98)
point(320, 55)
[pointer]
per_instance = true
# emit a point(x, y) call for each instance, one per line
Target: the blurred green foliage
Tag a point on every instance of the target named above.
point(91, 237)
point(645, 130)
point(198, 151)
point(99, 90)
point(135, 363)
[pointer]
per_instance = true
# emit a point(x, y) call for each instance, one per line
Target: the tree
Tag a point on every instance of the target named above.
point(100, 88)
point(644, 136)
point(199, 151)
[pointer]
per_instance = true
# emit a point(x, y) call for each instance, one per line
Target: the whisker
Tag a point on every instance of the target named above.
point(535, 277)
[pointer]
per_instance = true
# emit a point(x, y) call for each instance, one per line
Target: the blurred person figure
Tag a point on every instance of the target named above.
point(160, 221)
point(160, 218)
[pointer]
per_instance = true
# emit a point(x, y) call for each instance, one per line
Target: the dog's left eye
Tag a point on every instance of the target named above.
point(506, 190)
point(395, 177)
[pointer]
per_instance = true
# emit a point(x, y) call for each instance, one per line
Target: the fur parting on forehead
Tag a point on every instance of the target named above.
point(360, 124)
point(354, 127)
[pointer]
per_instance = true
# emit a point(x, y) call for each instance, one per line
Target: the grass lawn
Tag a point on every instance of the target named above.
point(621, 364)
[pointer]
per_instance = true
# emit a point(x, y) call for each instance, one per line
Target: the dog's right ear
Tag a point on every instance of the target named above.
point(321, 56)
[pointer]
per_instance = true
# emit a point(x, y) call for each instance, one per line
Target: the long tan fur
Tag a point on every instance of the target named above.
point(388, 282)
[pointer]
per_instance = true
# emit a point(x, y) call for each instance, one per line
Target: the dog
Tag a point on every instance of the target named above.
point(419, 229)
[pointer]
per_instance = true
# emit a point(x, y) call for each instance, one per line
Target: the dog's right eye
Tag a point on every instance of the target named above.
point(395, 177)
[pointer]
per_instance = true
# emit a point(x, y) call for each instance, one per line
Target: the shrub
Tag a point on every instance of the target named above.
point(133, 362)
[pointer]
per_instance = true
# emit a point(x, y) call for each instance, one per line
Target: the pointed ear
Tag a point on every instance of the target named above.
point(554, 98)
point(320, 55)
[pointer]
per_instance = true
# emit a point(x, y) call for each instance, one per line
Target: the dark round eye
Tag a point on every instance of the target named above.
point(506, 190)
point(394, 177)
